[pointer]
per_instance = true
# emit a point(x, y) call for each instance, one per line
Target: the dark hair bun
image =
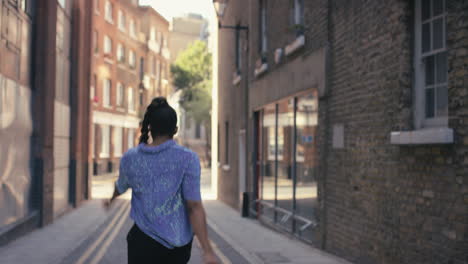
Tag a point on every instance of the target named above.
point(158, 102)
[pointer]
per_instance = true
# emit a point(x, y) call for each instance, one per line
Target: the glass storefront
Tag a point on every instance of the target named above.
point(288, 158)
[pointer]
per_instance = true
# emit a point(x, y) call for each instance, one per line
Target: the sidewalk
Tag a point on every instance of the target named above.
point(54, 242)
point(259, 244)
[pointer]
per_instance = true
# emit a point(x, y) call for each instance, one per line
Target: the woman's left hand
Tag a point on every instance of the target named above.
point(107, 204)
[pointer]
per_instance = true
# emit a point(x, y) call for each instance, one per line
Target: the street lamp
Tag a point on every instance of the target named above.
point(220, 7)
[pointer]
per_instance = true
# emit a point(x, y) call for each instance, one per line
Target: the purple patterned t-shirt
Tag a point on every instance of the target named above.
point(162, 178)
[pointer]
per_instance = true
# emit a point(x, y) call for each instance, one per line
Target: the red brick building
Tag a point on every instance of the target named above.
point(129, 68)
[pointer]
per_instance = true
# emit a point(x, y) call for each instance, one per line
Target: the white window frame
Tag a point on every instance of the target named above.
point(118, 141)
point(119, 98)
point(95, 41)
point(97, 9)
point(130, 138)
point(122, 21)
point(299, 12)
point(120, 52)
point(132, 28)
point(131, 99)
point(109, 12)
point(132, 58)
point(419, 81)
point(106, 92)
point(107, 45)
point(153, 34)
point(105, 141)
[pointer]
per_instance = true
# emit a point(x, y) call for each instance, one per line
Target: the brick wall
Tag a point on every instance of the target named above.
point(384, 203)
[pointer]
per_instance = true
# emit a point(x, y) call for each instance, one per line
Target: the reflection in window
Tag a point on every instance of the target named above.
point(268, 160)
point(306, 165)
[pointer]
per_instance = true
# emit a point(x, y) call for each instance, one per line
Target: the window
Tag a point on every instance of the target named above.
point(298, 12)
point(118, 141)
point(142, 68)
point(132, 59)
point(153, 66)
point(95, 41)
point(62, 3)
point(120, 53)
point(107, 45)
point(238, 52)
point(93, 87)
point(164, 43)
point(226, 143)
point(119, 94)
point(131, 138)
point(153, 34)
point(27, 6)
point(431, 65)
point(131, 100)
point(122, 21)
point(132, 28)
point(107, 86)
point(262, 47)
point(109, 16)
point(105, 141)
point(97, 7)
point(158, 71)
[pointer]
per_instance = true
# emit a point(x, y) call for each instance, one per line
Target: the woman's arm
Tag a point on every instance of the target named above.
point(198, 220)
point(108, 202)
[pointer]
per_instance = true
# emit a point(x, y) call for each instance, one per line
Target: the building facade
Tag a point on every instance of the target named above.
point(44, 107)
point(130, 67)
point(353, 138)
point(156, 63)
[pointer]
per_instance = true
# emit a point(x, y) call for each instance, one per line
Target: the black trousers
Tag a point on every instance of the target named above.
point(143, 249)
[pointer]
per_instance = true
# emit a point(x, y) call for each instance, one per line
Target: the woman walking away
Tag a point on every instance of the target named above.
point(166, 201)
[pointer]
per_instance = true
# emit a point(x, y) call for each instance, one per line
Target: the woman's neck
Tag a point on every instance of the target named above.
point(159, 140)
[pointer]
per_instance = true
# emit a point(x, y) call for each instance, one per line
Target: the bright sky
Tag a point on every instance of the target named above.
point(174, 8)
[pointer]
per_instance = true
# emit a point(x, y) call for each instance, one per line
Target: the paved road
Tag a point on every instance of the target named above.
point(107, 244)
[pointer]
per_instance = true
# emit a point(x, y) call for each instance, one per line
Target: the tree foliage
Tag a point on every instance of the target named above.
point(191, 73)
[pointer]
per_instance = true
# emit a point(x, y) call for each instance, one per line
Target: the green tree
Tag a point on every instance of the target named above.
point(191, 73)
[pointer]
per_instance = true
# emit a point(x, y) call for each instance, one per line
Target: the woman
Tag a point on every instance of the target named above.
point(166, 201)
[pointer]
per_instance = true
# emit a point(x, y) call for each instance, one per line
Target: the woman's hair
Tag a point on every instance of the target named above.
point(160, 120)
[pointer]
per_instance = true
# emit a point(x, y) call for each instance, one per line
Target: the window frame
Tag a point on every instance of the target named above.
point(131, 100)
point(132, 59)
point(107, 88)
point(238, 52)
point(120, 94)
point(298, 12)
point(109, 12)
point(263, 38)
point(105, 144)
point(118, 141)
point(132, 28)
point(121, 53)
point(108, 45)
point(420, 119)
point(122, 21)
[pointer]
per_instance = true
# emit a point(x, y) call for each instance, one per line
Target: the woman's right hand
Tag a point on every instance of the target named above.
point(210, 258)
